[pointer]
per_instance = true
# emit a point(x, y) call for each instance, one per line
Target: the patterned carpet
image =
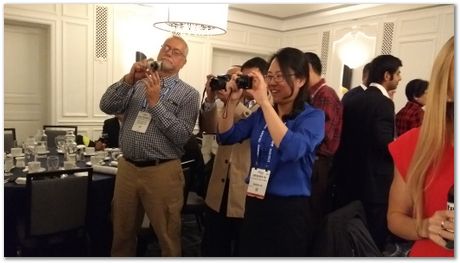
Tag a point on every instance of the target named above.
point(191, 240)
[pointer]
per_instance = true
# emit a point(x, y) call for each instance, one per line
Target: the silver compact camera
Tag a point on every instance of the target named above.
point(154, 65)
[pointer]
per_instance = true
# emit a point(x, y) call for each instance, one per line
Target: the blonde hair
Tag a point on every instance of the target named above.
point(437, 130)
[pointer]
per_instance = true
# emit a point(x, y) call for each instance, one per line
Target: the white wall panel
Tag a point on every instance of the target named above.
point(265, 39)
point(26, 90)
point(235, 34)
point(415, 64)
point(76, 10)
point(248, 39)
point(77, 81)
point(36, 8)
point(195, 71)
point(75, 70)
point(447, 26)
point(418, 25)
point(100, 84)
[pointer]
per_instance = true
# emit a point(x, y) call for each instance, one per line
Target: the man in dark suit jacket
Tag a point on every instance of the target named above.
point(348, 97)
point(110, 133)
point(343, 161)
point(368, 169)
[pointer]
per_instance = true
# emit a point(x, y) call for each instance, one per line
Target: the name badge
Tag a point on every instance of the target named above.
point(142, 122)
point(258, 183)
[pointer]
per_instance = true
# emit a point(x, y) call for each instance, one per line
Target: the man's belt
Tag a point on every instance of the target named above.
point(148, 163)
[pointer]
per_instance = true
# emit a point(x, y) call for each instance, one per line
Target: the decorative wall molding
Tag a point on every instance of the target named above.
point(76, 11)
point(388, 29)
point(325, 51)
point(100, 38)
point(338, 14)
point(89, 48)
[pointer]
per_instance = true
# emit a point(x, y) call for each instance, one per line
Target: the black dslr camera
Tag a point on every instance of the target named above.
point(244, 82)
point(154, 65)
point(219, 82)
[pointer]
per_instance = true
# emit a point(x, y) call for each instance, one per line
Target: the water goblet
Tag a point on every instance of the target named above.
point(53, 163)
point(8, 164)
point(115, 155)
point(60, 143)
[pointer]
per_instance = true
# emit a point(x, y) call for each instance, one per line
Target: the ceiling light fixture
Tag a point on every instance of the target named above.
point(193, 19)
point(355, 48)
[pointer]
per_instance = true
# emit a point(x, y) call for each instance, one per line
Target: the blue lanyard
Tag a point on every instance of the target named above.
point(258, 149)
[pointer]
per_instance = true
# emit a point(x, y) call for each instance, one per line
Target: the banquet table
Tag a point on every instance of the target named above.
point(99, 225)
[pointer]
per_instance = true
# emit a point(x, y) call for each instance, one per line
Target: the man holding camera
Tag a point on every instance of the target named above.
point(226, 193)
point(160, 111)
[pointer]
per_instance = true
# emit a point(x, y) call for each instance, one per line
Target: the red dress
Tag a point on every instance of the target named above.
point(435, 195)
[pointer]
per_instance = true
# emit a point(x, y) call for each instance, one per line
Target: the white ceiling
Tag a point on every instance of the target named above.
point(286, 17)
point(285, 11)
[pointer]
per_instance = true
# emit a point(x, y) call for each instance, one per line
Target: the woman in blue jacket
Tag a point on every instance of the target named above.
point(278, 220)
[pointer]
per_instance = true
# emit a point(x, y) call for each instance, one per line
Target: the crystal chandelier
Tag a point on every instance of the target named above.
point(192, 19)
point(355, 48)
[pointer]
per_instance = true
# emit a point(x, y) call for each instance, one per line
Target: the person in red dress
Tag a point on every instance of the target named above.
point(424, 162)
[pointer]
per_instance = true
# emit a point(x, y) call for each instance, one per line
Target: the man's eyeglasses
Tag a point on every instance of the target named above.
point(175, 51)
point(277, 78)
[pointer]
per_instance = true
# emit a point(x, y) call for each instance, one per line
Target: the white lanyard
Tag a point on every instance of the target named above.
point(316, 91)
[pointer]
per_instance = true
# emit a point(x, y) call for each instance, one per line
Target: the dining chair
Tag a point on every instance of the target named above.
point(52, 131)
point(9, 136)
point(56, 213)
point(193, 203)
point(344, 233)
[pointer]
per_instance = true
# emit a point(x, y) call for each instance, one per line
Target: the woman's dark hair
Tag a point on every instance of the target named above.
point(415, 89)
point(293, 59)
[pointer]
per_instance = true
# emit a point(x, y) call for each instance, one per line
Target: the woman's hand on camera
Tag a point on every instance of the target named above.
point(231, 93)
point(259, 88)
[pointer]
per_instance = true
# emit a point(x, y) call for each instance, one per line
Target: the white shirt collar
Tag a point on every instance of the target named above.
point(381, 88)
point(363, 86)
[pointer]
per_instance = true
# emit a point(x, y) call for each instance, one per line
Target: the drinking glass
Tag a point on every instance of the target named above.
point(115, 155)
point(9, 164)
point(29, 151)
point(53, 163)
point(60, 142)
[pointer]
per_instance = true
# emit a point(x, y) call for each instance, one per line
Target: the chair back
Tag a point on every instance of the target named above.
point(193, 203)
point(9, 139)
point(344, 233)
point(193, 160)
point(56, 204)
point(52, 131)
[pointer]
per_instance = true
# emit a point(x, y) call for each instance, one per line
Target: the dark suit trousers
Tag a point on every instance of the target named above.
point(221, 233)
point(376, 215)
point(321, 181)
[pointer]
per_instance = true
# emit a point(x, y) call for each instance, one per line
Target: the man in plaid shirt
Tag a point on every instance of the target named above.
point(160, 111)
point(323, 97)
point(411, 115)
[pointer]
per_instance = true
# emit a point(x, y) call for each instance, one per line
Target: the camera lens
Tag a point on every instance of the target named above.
point(219, 82)
point(154, 65)
point(244, 82)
